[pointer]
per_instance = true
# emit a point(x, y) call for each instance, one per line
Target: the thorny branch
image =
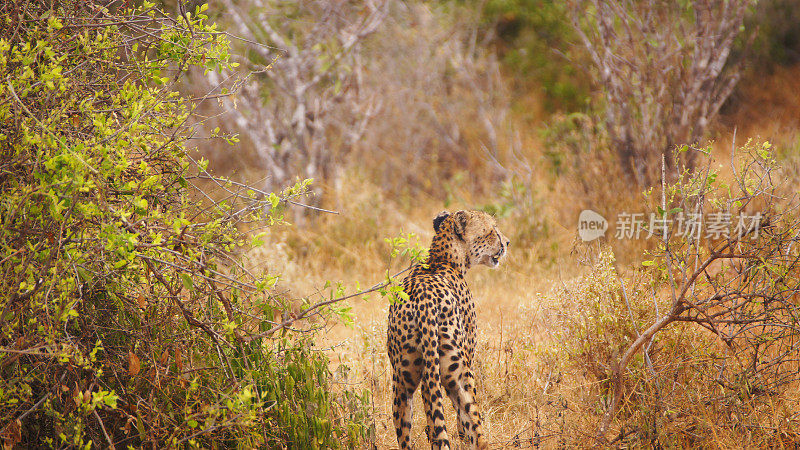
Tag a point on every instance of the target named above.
point(305, 313)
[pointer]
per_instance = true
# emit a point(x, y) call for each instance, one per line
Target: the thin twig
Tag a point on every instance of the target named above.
point(103, 427)
point(306, 312)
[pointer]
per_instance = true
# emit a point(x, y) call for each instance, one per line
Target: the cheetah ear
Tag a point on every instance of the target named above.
point(437, 221)
point(460, 223)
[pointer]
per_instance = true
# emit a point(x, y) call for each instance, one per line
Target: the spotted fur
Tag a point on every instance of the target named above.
point(431, 336)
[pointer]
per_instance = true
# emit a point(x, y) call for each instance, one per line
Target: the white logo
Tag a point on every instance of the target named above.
point(591, 225)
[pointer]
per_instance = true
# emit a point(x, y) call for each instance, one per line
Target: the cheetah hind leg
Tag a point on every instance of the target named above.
point(459, 383)
point(434, 413)
point(453, 394)
point(404, 386)
point(469, 417)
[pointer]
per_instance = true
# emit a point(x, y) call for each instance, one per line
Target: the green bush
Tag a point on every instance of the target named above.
point(535, 41)
point(126, 317)
point(777, 41)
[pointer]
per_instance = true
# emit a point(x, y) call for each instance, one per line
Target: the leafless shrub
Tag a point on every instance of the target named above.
point(663, 68)
point(402, 84)
point(311, 101)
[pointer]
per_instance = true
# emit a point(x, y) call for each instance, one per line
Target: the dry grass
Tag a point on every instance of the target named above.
point(538, 387)
point(767, 105)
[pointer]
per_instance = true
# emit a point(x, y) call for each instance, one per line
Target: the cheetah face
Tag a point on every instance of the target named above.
point(485, 244)
point(488, 249)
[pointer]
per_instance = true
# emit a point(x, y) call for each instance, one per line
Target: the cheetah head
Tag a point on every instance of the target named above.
point(477, 232)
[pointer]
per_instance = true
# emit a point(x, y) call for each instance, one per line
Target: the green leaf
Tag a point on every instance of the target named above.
point(187, 281)
point(111, 400)
point(273, 199)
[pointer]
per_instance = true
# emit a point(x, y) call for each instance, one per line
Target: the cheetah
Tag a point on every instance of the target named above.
point(431, 336)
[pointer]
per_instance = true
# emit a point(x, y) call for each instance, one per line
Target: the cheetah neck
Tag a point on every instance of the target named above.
point(448, 250)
